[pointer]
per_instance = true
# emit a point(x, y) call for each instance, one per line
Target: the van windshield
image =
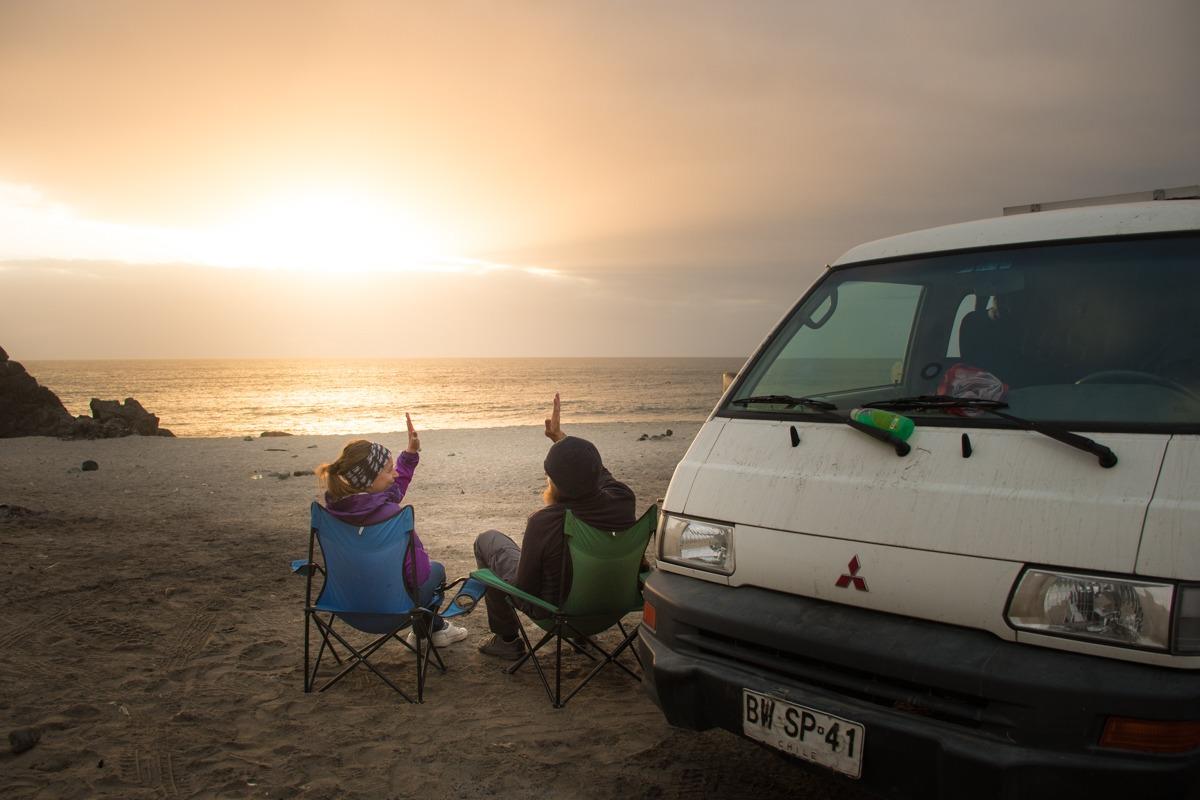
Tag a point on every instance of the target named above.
point(1096, 335)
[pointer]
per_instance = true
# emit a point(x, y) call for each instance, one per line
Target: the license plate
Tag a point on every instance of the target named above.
point(804, 732)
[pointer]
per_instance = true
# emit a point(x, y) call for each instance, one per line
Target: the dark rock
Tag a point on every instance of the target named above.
point(266, 434)
point(299, 472)
point(89, 466)
point(131, 415)
point(114, 429)
point(23, 739)
point(7, 511)
point(84, 428)
point(26, 407)
point(165, 432)
point(114, 419)
point(104, 410)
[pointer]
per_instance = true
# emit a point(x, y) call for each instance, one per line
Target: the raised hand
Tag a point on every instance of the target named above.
point(414, 441)
point(554, 431)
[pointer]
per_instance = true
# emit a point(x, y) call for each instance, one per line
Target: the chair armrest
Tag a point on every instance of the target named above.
point(489, 578)
point(302, 566)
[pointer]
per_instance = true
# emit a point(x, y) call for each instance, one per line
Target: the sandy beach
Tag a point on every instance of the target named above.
point(153, 634)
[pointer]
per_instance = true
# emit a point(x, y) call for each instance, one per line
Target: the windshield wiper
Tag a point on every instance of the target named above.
point(787, 400)
point(823, 407)
point(927, 402)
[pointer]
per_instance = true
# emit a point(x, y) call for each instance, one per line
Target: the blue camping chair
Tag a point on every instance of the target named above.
point(363, 587)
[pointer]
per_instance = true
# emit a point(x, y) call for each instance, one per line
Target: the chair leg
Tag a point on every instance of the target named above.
point(310, 675)
point(421, 666)
point(332, 651)
point(609, 658)
point(630, 635)
point(424, 638)
point(363, 658)
point(437, 656)
point(558, 671)
point(307, 685)
point(531, 655)
point(360, 658)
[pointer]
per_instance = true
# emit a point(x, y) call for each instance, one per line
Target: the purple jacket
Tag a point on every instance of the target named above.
point(367, 508)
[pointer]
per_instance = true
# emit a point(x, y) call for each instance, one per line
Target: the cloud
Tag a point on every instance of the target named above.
point(680, 169)
point(323, 233)
point(117, 310)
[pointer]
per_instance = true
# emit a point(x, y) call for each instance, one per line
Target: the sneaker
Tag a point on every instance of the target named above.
point(448, 635)
point(495, 646)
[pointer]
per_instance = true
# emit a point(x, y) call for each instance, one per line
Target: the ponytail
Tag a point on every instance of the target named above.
point(330, 475)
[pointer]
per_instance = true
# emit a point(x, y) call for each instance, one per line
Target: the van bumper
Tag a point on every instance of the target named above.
point(948, 712)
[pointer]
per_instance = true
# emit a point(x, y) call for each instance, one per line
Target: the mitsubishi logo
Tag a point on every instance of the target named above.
point(846, 580)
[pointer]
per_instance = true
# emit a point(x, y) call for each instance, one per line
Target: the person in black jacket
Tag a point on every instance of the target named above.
point(576, 479)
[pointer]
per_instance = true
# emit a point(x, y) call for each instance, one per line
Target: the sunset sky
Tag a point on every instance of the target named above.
point(293, 179)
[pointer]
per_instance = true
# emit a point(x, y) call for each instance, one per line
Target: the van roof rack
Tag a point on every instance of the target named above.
point(1177, 193)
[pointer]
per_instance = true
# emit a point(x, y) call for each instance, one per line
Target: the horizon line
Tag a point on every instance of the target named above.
point(368, 358)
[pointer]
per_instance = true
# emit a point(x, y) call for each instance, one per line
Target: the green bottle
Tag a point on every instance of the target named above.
point(896, 424)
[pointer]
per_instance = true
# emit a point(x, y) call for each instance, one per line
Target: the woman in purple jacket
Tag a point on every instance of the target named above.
point(364, 486)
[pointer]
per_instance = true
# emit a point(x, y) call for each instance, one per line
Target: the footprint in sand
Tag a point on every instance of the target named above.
point(263, 656)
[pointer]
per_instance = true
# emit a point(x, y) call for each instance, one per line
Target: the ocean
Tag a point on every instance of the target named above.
point(203, 397)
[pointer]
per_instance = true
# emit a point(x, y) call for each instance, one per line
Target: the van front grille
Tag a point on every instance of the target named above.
point(885, 691)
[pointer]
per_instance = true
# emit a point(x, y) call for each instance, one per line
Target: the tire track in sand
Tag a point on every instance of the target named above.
point(17, 633)
point(190, 641)
point(153, 769)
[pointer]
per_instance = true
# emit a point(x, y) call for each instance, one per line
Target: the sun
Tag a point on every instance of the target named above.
point(329, 231)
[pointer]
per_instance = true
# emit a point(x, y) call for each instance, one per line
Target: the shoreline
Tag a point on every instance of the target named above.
point(220, 398)
point(675, 423)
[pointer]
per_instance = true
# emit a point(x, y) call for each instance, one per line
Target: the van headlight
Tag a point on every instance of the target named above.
point(1187, 620)
point(696, 543)
point(1121, 611)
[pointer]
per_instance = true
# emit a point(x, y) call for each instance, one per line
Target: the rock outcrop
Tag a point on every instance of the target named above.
point(30, 409)
point(111, 419)
point(26, 407)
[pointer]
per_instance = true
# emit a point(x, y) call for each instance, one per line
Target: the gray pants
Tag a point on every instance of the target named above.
point(500, 554)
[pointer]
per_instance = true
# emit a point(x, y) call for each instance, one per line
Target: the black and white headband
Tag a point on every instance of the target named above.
point(363, 474)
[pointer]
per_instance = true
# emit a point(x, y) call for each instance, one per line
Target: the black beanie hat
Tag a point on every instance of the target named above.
point(574, 465)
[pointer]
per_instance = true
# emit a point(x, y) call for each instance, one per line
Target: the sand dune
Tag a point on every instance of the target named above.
point(153, 634)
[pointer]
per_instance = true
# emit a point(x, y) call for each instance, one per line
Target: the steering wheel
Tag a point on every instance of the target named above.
point(1135, 376)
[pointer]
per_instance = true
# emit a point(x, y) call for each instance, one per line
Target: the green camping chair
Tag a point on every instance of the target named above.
point(606, 585)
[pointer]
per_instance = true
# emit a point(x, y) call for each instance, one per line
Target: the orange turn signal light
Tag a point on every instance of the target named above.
point(648, 615)
point(1151, 735)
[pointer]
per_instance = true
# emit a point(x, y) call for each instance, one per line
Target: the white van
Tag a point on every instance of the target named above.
point(1007, 603)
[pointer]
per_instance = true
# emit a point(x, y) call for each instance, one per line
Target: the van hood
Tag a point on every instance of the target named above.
point(1019, 496)
point(1169, 543)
